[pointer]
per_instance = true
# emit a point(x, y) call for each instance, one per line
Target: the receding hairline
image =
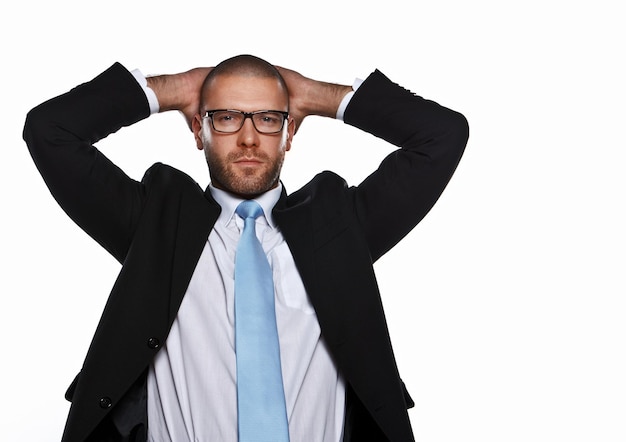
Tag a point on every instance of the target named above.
point(244, 66)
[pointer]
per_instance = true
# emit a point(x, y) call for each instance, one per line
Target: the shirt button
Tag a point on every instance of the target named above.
point(154, 343)
point(105, 402)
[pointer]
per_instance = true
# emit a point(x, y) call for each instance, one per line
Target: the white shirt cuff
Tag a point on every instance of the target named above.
point(150, 95)
point(346, 100)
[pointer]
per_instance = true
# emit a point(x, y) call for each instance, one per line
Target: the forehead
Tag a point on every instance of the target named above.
point(245, 93)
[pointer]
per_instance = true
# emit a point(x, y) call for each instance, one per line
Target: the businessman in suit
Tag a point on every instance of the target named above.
point(162, 363)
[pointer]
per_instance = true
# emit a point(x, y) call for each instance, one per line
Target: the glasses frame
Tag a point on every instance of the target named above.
point(209, 114)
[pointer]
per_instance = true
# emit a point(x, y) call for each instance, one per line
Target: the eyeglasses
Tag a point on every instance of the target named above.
point(230, 121)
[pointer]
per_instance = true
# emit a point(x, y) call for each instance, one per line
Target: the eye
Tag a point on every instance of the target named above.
point(227, 121)
point(224, 117)
point(269, 119)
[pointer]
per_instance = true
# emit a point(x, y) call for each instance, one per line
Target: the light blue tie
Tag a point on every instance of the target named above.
point(262, 415)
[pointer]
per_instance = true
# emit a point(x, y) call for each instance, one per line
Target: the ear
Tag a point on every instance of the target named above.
point(196, 127)
point(291, 130)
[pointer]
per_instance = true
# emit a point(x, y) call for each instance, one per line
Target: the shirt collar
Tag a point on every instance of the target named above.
point(229, 203)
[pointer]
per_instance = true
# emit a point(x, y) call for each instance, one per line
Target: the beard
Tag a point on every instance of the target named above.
point(249, 181)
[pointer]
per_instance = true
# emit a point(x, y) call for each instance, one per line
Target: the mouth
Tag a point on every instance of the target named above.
point(248, 161)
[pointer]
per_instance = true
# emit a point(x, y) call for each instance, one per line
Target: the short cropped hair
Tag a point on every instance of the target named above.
point(246, 66)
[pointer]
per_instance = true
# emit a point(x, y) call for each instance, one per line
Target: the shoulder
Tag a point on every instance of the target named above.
point(165, 187)
point(325, 187)
point(328, 197)
point(167, 178)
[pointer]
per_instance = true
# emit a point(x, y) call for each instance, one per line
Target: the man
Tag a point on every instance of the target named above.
point(163, 364)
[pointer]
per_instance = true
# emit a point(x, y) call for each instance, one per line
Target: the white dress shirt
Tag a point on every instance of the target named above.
point(192, 384)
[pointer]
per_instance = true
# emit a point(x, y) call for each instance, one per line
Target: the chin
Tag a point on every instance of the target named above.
point(247, 189)
point(246, 184)
point(253, 190)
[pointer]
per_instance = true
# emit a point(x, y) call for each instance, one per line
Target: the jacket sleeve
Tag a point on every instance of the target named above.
point(406, 185)
point(60, 134)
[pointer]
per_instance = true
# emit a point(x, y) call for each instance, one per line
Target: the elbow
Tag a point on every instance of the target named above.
point(456, 134)
point(459, 129)
point(42, 133)
point(465, 128)
point(33, 127)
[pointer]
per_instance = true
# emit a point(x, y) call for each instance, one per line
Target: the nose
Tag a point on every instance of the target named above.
point(248, 135)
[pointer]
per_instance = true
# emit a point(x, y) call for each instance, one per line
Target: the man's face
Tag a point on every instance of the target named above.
point(245, 163)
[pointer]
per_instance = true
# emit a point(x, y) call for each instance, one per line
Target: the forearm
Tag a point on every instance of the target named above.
point(311, 97)
point(180, 92)
point(406, 120)
point(322, 99)
point(170, 91)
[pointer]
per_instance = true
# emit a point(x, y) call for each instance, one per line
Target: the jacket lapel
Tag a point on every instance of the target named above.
point(295, 223)
point(197, 214)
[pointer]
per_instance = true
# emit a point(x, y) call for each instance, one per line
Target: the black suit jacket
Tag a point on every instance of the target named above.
point(158, 227)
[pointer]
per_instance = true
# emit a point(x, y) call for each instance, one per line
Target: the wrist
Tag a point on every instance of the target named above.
point(153, 101)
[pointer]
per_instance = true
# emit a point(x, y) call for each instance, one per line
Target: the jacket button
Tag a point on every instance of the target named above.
point(154, 343)
point(105, 402)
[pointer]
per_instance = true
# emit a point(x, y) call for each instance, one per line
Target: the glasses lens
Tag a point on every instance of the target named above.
point(268, 122)
point(227, 121)
point(230, 121)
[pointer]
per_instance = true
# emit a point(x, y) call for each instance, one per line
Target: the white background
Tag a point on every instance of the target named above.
point(506, 304)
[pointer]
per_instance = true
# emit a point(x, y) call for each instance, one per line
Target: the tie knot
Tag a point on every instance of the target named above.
point(249, 209)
